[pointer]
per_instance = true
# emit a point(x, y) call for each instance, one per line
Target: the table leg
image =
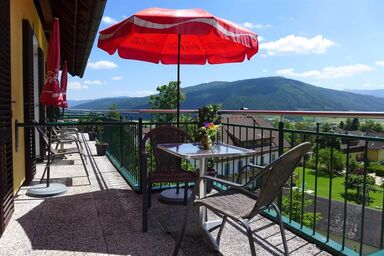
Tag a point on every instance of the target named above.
point(202, 192)
point(204, 224)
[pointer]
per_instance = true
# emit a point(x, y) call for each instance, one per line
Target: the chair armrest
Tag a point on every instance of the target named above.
point(260, 173)
point(67, 137)
point(254, 166)
point(225, 182)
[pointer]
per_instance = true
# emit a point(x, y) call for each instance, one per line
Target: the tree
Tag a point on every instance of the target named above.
point(341, 125)
point(355, 124)
point(352, 124)
point(326, 127)
point(293, 208)
point(338, 163)
point(166, 99)
point(305, 126)
point(371, 126)
point(209, 113)
point(113, 113)
point(356, 181)
point(354, 165)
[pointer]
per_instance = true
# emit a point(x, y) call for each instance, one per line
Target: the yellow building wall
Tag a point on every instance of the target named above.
point(355, 155)
point(380, 155)
point(21, 9)
point(373, 155)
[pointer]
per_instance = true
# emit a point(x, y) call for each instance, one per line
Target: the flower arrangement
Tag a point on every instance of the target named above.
point(209, 129)
point(206, 133)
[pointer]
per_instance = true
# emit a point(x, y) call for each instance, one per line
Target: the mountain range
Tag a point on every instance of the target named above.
point(72, 103)
point(273, 93)
point(376, 93)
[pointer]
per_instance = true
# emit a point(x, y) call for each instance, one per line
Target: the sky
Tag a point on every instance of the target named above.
point(332, 44)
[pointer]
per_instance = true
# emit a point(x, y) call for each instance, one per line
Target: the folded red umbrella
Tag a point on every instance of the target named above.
point(63, 85)
point(51, 93)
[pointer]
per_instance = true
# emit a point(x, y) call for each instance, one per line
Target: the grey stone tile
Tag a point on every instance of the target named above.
point(126, 222)
point(16, 240)
point(79, 240)
point(94, 219)
point(140, 244)
point(70, 206)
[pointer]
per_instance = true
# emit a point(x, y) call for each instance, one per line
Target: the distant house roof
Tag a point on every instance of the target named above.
point(262, 139)
point(376, 145)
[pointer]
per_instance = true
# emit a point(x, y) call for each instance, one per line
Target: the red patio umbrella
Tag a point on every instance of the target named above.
point(63, 85)
point(51, 93)
point(168, 36)
point(51, 96)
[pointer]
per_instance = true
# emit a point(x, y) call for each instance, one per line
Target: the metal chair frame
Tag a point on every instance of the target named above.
point(166, 164)
point(277, 174)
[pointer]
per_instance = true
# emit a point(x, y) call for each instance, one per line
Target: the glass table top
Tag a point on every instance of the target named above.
point(195, 150)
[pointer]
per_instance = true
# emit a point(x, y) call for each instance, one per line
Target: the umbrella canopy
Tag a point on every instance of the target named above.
point(51, 93)
point(63, 84)
point(152, 35)
point(168, 36)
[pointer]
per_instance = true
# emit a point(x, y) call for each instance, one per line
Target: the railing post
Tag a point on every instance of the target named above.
point(316, 177)
point(364, 198)
point(281, 151)
point(143, 178)
point(121, 141)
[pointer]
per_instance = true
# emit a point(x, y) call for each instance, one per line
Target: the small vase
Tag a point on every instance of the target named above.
point(206, 142)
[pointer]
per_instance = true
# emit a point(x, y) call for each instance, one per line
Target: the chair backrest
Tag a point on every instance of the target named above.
point(46, 139)
point(278, 175)
point(165, 134)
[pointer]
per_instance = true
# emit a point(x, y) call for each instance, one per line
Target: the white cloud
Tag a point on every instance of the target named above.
point(292, 44)
point(265, 70)
point(108, 20)
point(260, 38)
point(117, 78)
point(76, 86)
point(142, 93)
point(327, 72)
point(251, 25)
point(102, 64)
point(380, 63)
point(97, 82)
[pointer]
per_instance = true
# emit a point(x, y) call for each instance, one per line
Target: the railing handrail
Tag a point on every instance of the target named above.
point(358, 114)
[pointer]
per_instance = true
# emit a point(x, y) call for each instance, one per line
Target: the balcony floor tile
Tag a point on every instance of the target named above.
point(104, 218)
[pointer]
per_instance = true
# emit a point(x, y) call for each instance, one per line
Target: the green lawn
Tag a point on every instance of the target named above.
point(323, 182)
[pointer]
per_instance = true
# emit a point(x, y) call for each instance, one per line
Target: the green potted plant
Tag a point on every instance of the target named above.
point(91, 128)
point(91, 134)
point(209, 119)
point(101, 146)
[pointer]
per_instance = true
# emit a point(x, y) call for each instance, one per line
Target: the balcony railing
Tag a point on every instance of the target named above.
point(329, 200)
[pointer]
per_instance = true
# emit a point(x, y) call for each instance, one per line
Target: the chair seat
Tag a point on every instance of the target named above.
point(172, 176)
point(233, 202)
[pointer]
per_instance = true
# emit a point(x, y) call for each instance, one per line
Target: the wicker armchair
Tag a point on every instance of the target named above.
point(167, 167)
point(241, 205)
